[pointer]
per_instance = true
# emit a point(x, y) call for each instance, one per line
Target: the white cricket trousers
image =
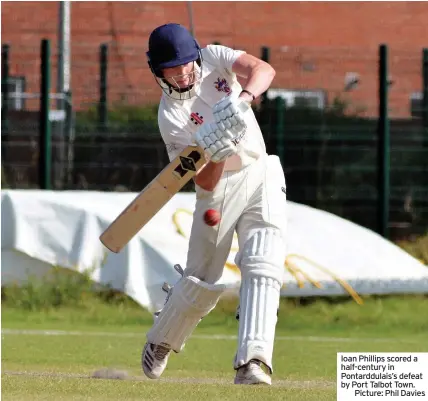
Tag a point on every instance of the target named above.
point(249, 200)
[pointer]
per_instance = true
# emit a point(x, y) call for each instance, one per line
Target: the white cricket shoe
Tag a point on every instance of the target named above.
point(154, 359)
point(252, 373)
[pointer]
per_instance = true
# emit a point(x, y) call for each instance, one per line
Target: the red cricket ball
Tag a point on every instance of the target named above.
point(212, 217)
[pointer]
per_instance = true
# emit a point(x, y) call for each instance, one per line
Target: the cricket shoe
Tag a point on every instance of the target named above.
point(154, 359)
point(252, 373)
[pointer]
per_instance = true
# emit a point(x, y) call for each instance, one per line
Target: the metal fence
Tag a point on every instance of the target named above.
point(322, 116)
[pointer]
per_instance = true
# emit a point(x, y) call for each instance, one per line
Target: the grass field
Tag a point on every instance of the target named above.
point(53, 354)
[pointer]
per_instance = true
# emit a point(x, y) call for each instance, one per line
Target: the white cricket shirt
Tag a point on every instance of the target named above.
point(180, 119)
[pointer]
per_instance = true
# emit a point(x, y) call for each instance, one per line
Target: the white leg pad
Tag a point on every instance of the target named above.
point(262, 269)
point(189, 301)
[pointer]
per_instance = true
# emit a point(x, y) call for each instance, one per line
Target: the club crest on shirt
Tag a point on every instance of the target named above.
point(221, 85)
point(196, 118)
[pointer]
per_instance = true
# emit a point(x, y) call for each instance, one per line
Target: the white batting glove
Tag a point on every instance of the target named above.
point(228, 115)
point(217, 144)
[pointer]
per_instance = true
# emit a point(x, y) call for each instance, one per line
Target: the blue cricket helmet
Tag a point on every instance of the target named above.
point(171, 45)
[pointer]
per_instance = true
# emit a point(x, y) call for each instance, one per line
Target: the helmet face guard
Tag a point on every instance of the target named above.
point(173, 90)
point(170, 46)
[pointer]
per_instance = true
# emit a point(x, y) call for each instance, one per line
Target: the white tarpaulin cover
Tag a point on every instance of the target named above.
point(327, 255)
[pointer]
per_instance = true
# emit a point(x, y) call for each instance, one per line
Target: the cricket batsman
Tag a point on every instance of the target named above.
point(200, 105)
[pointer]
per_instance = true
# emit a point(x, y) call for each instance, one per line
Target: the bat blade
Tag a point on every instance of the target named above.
point(152, 198)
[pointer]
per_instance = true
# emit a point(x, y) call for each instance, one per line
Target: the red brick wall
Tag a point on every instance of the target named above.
point(332, 38)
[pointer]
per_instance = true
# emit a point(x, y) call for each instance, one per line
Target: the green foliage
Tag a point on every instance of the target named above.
point(59, 288)
point(121, 118)
point(4, 182)
point(131, 114)
point(417, 247)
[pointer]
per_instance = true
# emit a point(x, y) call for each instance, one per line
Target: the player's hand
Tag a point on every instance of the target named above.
point(217, 144)
point(228, 115)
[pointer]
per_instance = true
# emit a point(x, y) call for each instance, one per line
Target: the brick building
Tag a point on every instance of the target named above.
point(313, 45)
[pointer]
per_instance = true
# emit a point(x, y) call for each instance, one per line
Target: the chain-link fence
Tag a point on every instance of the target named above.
point(320, 116)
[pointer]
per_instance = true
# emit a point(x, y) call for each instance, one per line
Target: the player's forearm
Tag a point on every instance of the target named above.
point(210, 175)
point(258, 80)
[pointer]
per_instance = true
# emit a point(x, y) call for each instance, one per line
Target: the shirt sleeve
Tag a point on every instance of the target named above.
point(175, 138)
point(222, 56)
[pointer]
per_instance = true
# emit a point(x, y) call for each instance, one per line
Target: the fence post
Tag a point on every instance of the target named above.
point(265, 57)
point(69, 135)
point(264, 112)
point(279, 128)
point(102, 105)
point(45, 140)
point(5, 102)
point(383, 146)
point(425, 92)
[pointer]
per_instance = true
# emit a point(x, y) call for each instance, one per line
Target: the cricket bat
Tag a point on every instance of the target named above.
point(155, 195)
point(152, 198)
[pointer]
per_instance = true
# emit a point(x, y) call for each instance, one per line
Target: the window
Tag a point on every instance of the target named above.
point(416, 104)
point(16, 90)
point(314, 99)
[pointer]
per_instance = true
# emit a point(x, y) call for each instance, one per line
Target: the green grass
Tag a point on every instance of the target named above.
point(392, 316)
point(82, 390)
point(309, 335)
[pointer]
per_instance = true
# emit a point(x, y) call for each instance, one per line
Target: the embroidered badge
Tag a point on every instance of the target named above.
point(221, 85)
point(196, 118)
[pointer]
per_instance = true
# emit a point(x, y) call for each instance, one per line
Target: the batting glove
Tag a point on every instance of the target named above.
point(216, 143)
point(228, 115)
